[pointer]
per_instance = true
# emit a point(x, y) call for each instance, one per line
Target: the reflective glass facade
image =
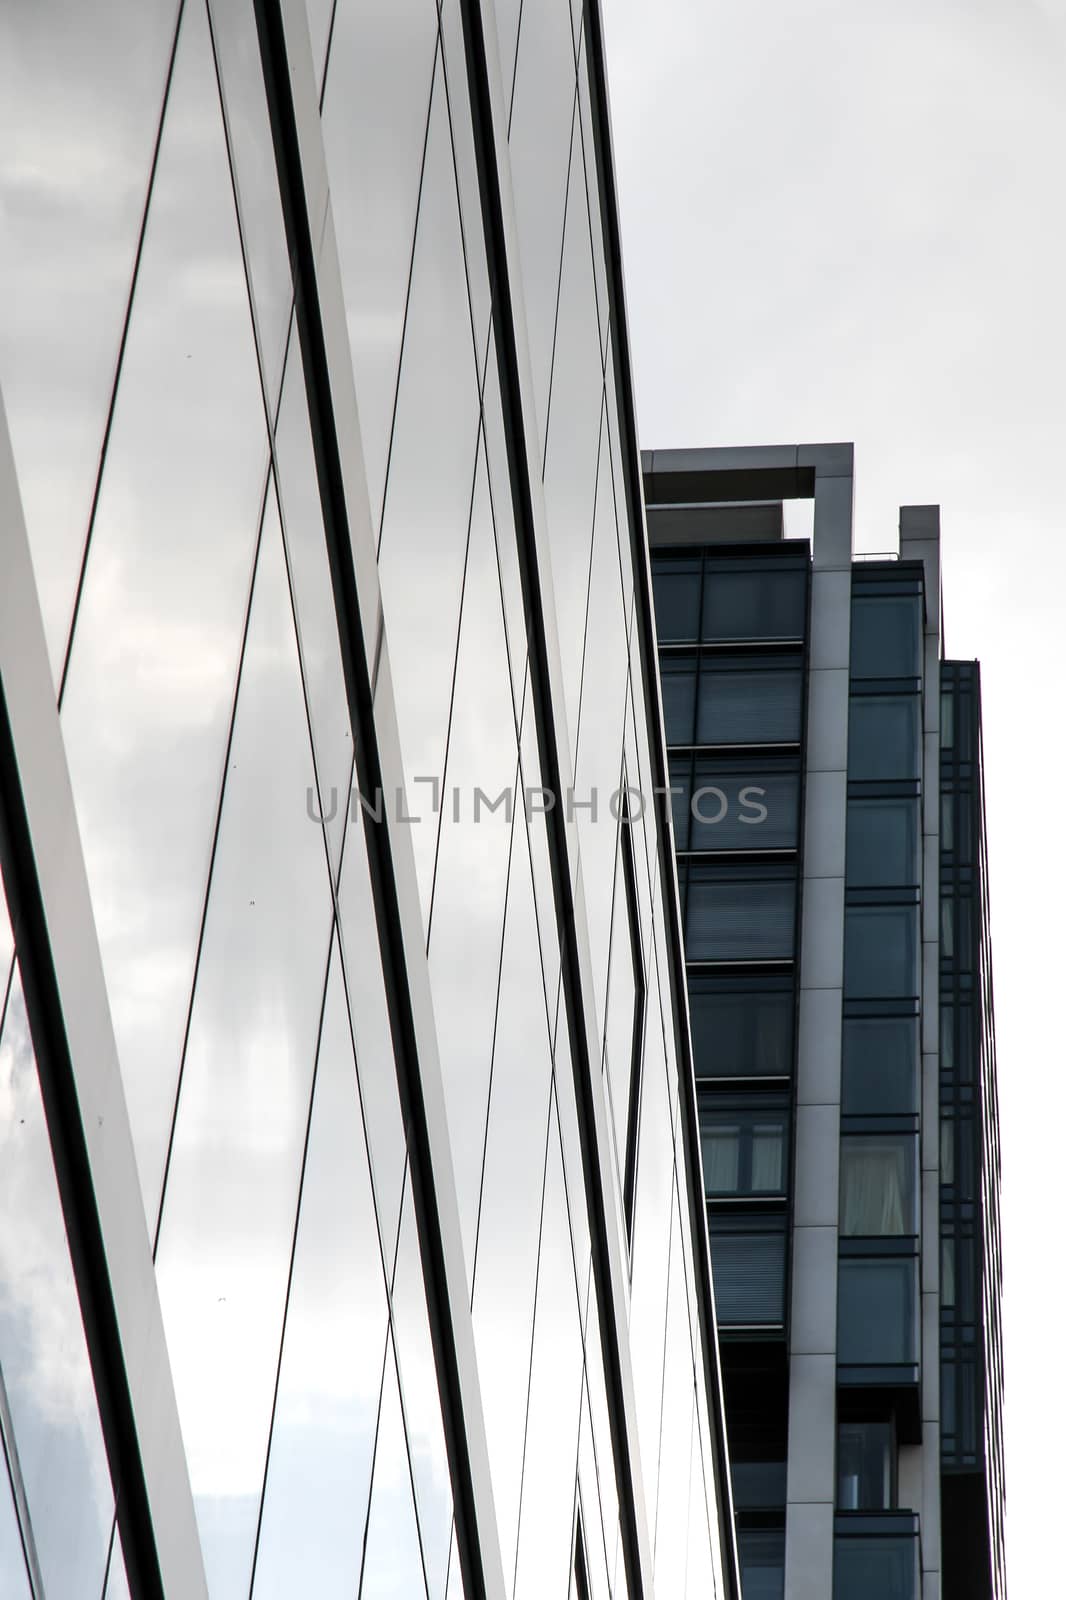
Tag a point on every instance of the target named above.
point(355, 1227)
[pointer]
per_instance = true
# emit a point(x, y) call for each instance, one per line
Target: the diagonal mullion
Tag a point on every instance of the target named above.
point(81, 1089)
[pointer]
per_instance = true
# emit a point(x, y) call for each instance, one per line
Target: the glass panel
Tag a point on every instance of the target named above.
point(681, 800)
point(880, 1065)
point(466, 926)
point(621, 1048)
point(510, 1209)
point(734, 920)
point(947, 1272)
point(374, 127)
point(12, 1557)
point(230, 1208)
point(420, 1394)
point(738, 705)
point(432, 461)
point(886, 633)
point(875, 1568)
point(676, 587)
point(882, 847)
point(749, 1275)
point(675, 1454)
point(947, 1150)
point(322, 1438)
point(877, 1187)
point(743, 1148)
point(554, 1411)
point(118, 1587)
point(876, 1312)
point(864, 1466)
point(754, 605)
point(392, 1561)
point(883, 737)
point(251, 151)
point(542, 124)
point(742, 1033)
point(154, 661)
point(315, 607)
point(754, 809)
point(604, 692)
point(880, 951)
point(81, 94)
point(577, 468)
point(762, 1562)
point(51, 1400)
point(677, 676)
point(721, 1157)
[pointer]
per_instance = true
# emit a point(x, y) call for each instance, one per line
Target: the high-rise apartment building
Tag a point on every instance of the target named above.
point(352, 1238)
point(825, 767)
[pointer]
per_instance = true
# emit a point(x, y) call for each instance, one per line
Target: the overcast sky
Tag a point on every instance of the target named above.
point(846, 219)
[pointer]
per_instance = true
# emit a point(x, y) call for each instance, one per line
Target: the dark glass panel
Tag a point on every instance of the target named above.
point(877, 1185)
point(758, 604)
point(880, 1065)
point(875, 1568)
point(753, 808)
point(678, 677)
point(676, 584)
point(876, 1312)
point(882, 847)
point(883, 737)
point(744, 1147)
point(739, 919)
point(740, 1032)
point(880, 952)
point(749, 1274)
point(762, 1562)
point(886, 634)
point(748, 704)
point(680, 803)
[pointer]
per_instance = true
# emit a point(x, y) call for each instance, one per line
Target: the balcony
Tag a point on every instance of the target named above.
point(875, 1556)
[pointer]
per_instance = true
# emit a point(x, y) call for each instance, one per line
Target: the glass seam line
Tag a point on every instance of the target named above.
point(48, 896)
point(520, 430)
point(297, 137)
point(600, 117)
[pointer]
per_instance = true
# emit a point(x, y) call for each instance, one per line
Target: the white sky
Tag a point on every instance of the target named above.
point(846, 219)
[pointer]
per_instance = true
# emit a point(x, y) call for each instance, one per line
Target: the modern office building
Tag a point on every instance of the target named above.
point(352, 1238)
point(826, 779)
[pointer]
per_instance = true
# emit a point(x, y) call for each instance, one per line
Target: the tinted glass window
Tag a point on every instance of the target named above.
point(882, 842)
point(754, 605)
point(865, 1462)
point(883, 1568)
point(749, 1273)
point(880, 952)
point(731, 919)
point(886, 636)
point(748, 703)
point(883, 737)
point(762, 1562)
point(740, 1034)
point(743, 1148)
point(676, 586)
point(877, 1186)
point(875, 1312)
point(880, 1065)
point(748, 808)
point(678, 677)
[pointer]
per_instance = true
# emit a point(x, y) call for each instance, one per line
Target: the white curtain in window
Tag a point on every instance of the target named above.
point(721, 1159)
point(766, 1158)
point(873, 1187)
